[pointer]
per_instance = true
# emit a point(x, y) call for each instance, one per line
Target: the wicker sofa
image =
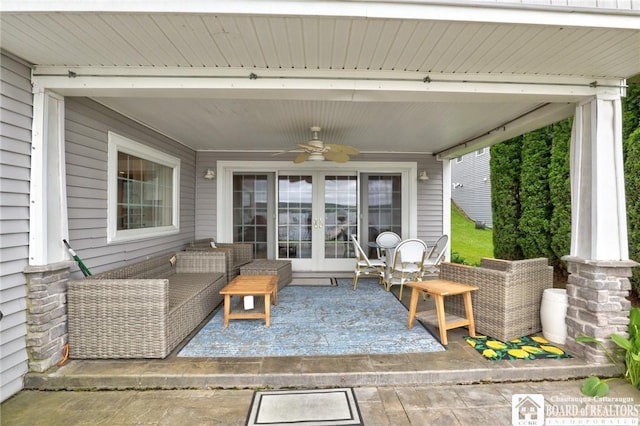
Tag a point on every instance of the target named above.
point(237, 254)
point(507, 303)
point(143, 310)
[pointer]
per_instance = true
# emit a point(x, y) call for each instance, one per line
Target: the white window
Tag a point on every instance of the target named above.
point(459, 159)
point(481, 151)
point(143, 191)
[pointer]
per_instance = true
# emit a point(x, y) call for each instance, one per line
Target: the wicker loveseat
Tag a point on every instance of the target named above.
point(237, 254)
point(507, 303)
point(143, 310)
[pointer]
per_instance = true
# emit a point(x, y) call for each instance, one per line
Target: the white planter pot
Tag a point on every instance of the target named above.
point(553, 312)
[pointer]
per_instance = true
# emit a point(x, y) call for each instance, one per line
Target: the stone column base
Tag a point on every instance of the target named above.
point(46, 314)
point(598, 305)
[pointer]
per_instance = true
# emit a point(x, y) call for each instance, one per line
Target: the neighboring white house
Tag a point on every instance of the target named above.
point(471, 185)
point(95, 93)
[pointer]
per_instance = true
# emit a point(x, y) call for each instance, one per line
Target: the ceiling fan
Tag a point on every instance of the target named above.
point(317, 150)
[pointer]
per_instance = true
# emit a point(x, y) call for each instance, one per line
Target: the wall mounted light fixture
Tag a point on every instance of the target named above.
point(210, 174)
point(423, 176)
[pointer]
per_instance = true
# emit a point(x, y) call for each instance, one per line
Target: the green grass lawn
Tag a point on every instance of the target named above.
point(468, 242)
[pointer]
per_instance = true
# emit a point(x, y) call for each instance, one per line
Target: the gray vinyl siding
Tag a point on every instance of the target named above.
point(474, 196)
point(429, 201)
point(87, 124)
point(16, 104)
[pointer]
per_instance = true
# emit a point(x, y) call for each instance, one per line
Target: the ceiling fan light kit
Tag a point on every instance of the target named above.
point(315, 156)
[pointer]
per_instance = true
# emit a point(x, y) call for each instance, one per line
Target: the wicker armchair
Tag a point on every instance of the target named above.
point(507, 303)
point(237, 254)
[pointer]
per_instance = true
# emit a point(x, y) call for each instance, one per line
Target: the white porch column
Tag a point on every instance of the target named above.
point(599, 219)
point(48, 209)
point(599, 261)
point(49, 264)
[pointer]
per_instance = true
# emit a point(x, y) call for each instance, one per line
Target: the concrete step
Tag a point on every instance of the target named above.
point(459, 364)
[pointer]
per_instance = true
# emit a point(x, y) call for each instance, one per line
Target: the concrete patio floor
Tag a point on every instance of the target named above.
point(479, 404)
point(457, 386)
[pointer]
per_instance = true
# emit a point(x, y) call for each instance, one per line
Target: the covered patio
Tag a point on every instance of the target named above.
point(222, 86)
point(459, 364)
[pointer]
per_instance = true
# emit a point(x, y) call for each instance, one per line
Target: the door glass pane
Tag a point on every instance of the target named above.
point(294, 217)
point(384, 205)
point(340, 215)
point(250, 196)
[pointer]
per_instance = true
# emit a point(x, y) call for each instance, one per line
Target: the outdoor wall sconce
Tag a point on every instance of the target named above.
point(210, 175)
point(423, 176)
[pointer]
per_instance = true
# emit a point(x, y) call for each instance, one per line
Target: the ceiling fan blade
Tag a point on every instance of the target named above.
point(312, 147)
point(302, 157)
point(347, 149)
point(338, 157)
point(284, 152)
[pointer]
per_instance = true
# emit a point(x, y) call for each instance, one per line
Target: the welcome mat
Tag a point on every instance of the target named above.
point(316, 281)
point(528, 347)
point(330, 407)
point(314, 321)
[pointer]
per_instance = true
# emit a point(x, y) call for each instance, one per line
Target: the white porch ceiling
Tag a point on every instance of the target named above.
point(528, 64)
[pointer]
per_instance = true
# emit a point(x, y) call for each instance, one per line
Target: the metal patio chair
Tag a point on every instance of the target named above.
point(366, 266)
point(408, 260)
point(386, 240)
point(431, 265)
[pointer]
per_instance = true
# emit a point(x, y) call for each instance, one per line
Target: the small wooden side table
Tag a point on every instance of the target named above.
point(251, 285)
point(439, 289)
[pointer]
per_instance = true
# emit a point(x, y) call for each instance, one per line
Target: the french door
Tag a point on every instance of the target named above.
point(317, 211)
point(308, 214)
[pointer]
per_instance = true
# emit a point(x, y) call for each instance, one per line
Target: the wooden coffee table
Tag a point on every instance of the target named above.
point(251, 285)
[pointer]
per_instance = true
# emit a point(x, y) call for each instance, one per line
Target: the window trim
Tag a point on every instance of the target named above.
point(118, 143)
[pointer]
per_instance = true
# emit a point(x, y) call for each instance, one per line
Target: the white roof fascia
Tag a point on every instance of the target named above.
point(365, 87)
point(583, 16)
point(152, 71)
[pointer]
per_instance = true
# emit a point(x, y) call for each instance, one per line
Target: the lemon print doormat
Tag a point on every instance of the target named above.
point(528, 347)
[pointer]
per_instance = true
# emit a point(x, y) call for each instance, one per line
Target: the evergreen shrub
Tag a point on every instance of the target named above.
point(535, 197)
point(505, 198)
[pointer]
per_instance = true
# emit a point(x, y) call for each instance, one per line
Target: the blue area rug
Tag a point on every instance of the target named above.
point(312, 320)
